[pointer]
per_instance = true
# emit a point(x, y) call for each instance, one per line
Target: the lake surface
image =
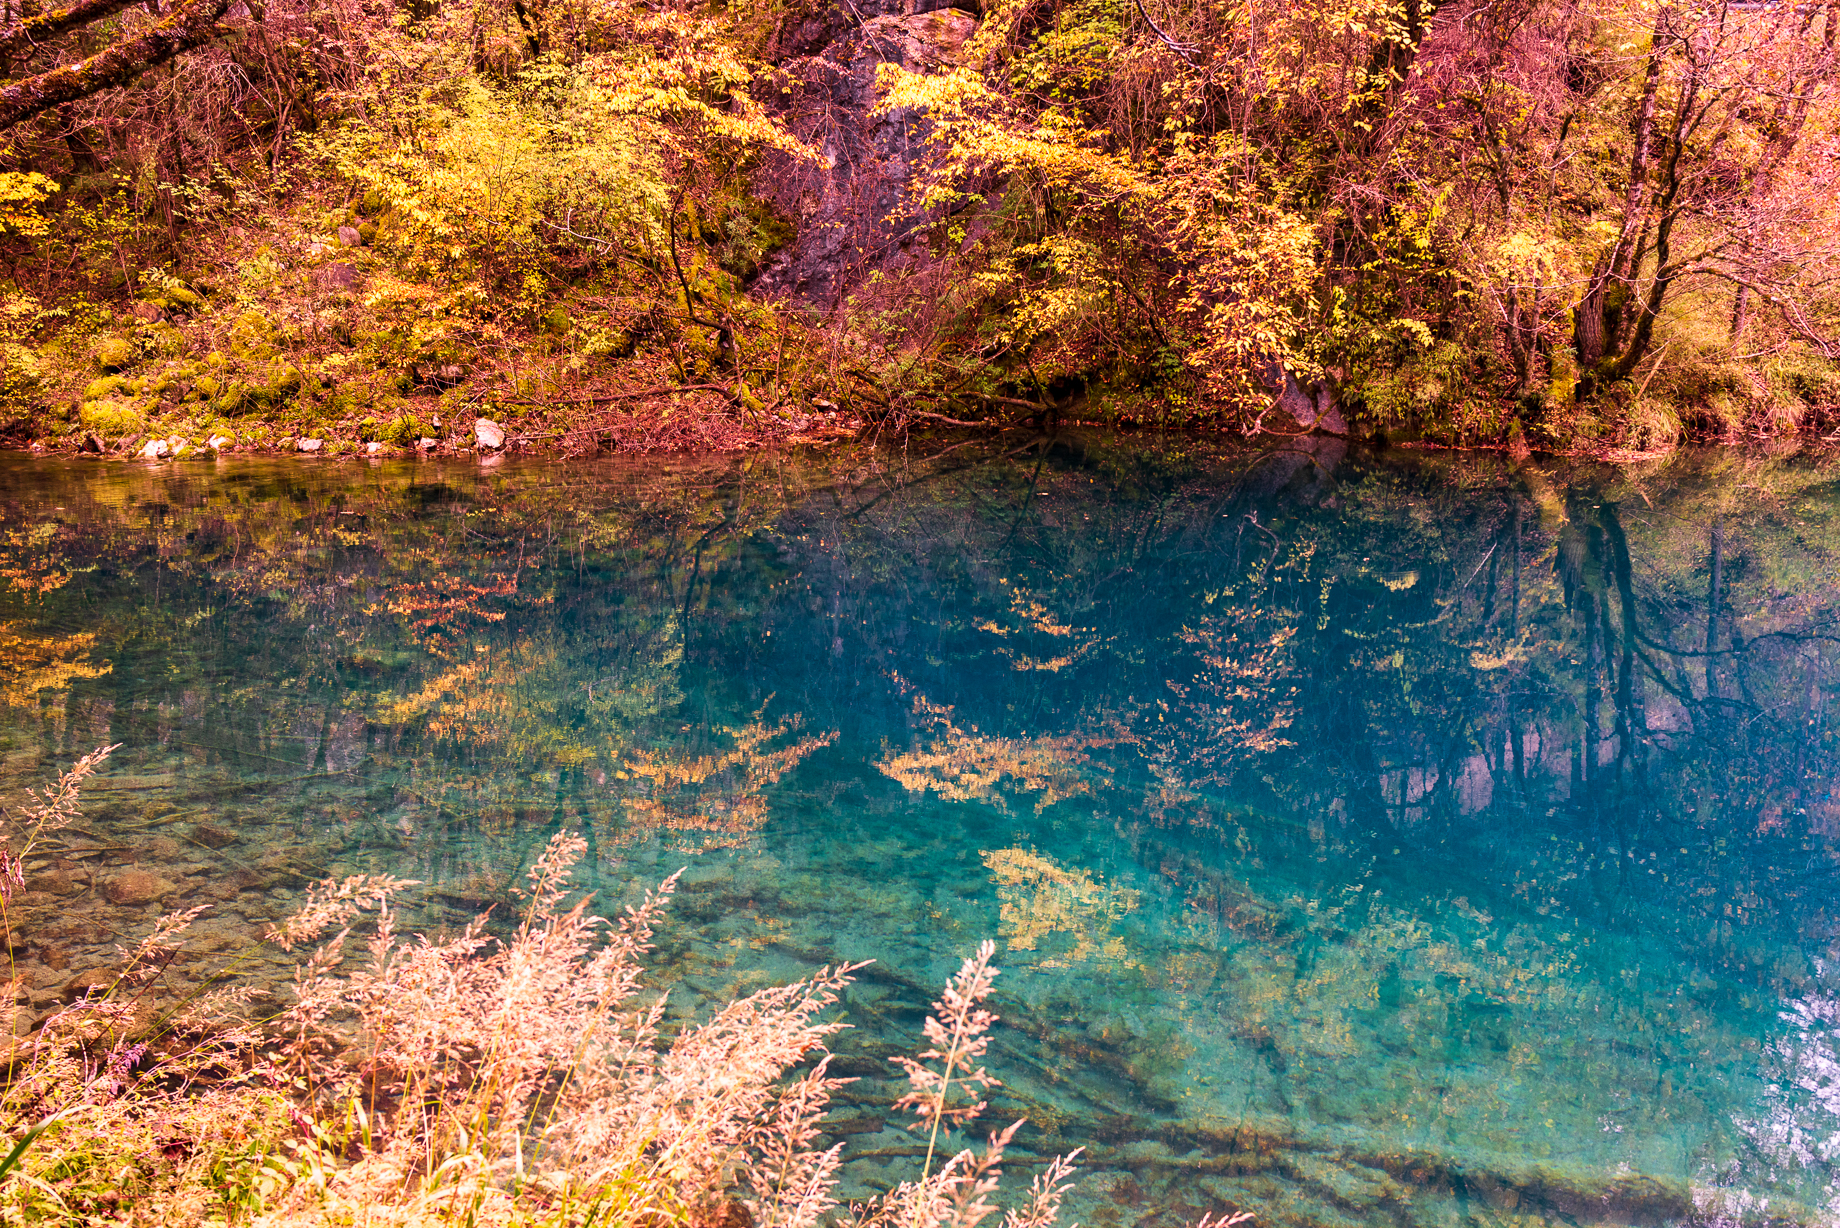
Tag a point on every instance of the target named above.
point(1392, 838)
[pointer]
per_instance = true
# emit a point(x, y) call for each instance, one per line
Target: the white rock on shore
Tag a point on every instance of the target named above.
point(489, 433)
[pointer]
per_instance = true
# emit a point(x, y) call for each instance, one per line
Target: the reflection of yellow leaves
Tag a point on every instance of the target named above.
point(1512, 654)
point(963, 765)
point(718, 793)
point(1039, 898)
point(1036, 617)
point(453, 696)
point(30, 663)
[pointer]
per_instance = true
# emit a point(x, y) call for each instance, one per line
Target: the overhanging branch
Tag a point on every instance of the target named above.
point(186, 25)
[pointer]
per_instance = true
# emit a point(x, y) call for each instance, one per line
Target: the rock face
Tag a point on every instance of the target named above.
point(842, 207)
point(489, 433)
point(135, 887)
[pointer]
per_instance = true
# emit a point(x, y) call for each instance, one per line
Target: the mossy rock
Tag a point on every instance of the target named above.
point(282, 385)
point(115, 353)
point(111, 419)
point(178, 298)
point(402, 432)
point(206, 386)
point(233, 400)
point(104, 388)
point(252, 334)
point(367, 233)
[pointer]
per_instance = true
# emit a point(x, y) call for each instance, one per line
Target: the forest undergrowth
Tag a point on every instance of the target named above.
point(522, 1078)
point(358, 227)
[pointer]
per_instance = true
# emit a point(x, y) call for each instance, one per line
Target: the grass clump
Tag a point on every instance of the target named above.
point(470, 1079)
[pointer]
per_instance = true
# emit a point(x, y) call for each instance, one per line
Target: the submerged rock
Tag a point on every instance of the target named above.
point(136, 887)
point(94, 980)
point(489, 433)
point(54, 882)
point(212, 836)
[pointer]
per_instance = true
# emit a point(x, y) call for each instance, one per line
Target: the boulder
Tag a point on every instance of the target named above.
point(135, 887)
point(217, 443)
point(349, 237)
point(489, 433)
point(426, 444)
point(155, 449)
point(310, 445)
point(373, 448)
point(114, 353)
point(341, 276)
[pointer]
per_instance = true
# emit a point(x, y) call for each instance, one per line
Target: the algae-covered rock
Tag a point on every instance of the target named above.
point(104, 388)
point(115, 353)
point(206, 386)
point(403, 431)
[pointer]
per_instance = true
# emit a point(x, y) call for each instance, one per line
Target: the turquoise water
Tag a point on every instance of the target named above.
point(1367, 838)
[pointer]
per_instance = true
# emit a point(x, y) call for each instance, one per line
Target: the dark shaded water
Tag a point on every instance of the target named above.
point(1367, 839)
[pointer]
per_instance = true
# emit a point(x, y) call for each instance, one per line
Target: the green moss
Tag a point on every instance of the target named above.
point(111, 419)
point(234, 400)
point(252, 335)
point(114, 353)
point(103, 388)
point(403, 431)
point(178, 298)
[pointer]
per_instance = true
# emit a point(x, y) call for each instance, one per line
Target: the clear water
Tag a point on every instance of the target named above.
point(1388, 838)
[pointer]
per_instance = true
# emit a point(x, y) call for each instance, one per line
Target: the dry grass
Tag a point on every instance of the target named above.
point(474, 1080)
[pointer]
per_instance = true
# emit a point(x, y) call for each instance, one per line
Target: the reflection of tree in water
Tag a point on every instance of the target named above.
point(718, 796)
point(963, 764)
